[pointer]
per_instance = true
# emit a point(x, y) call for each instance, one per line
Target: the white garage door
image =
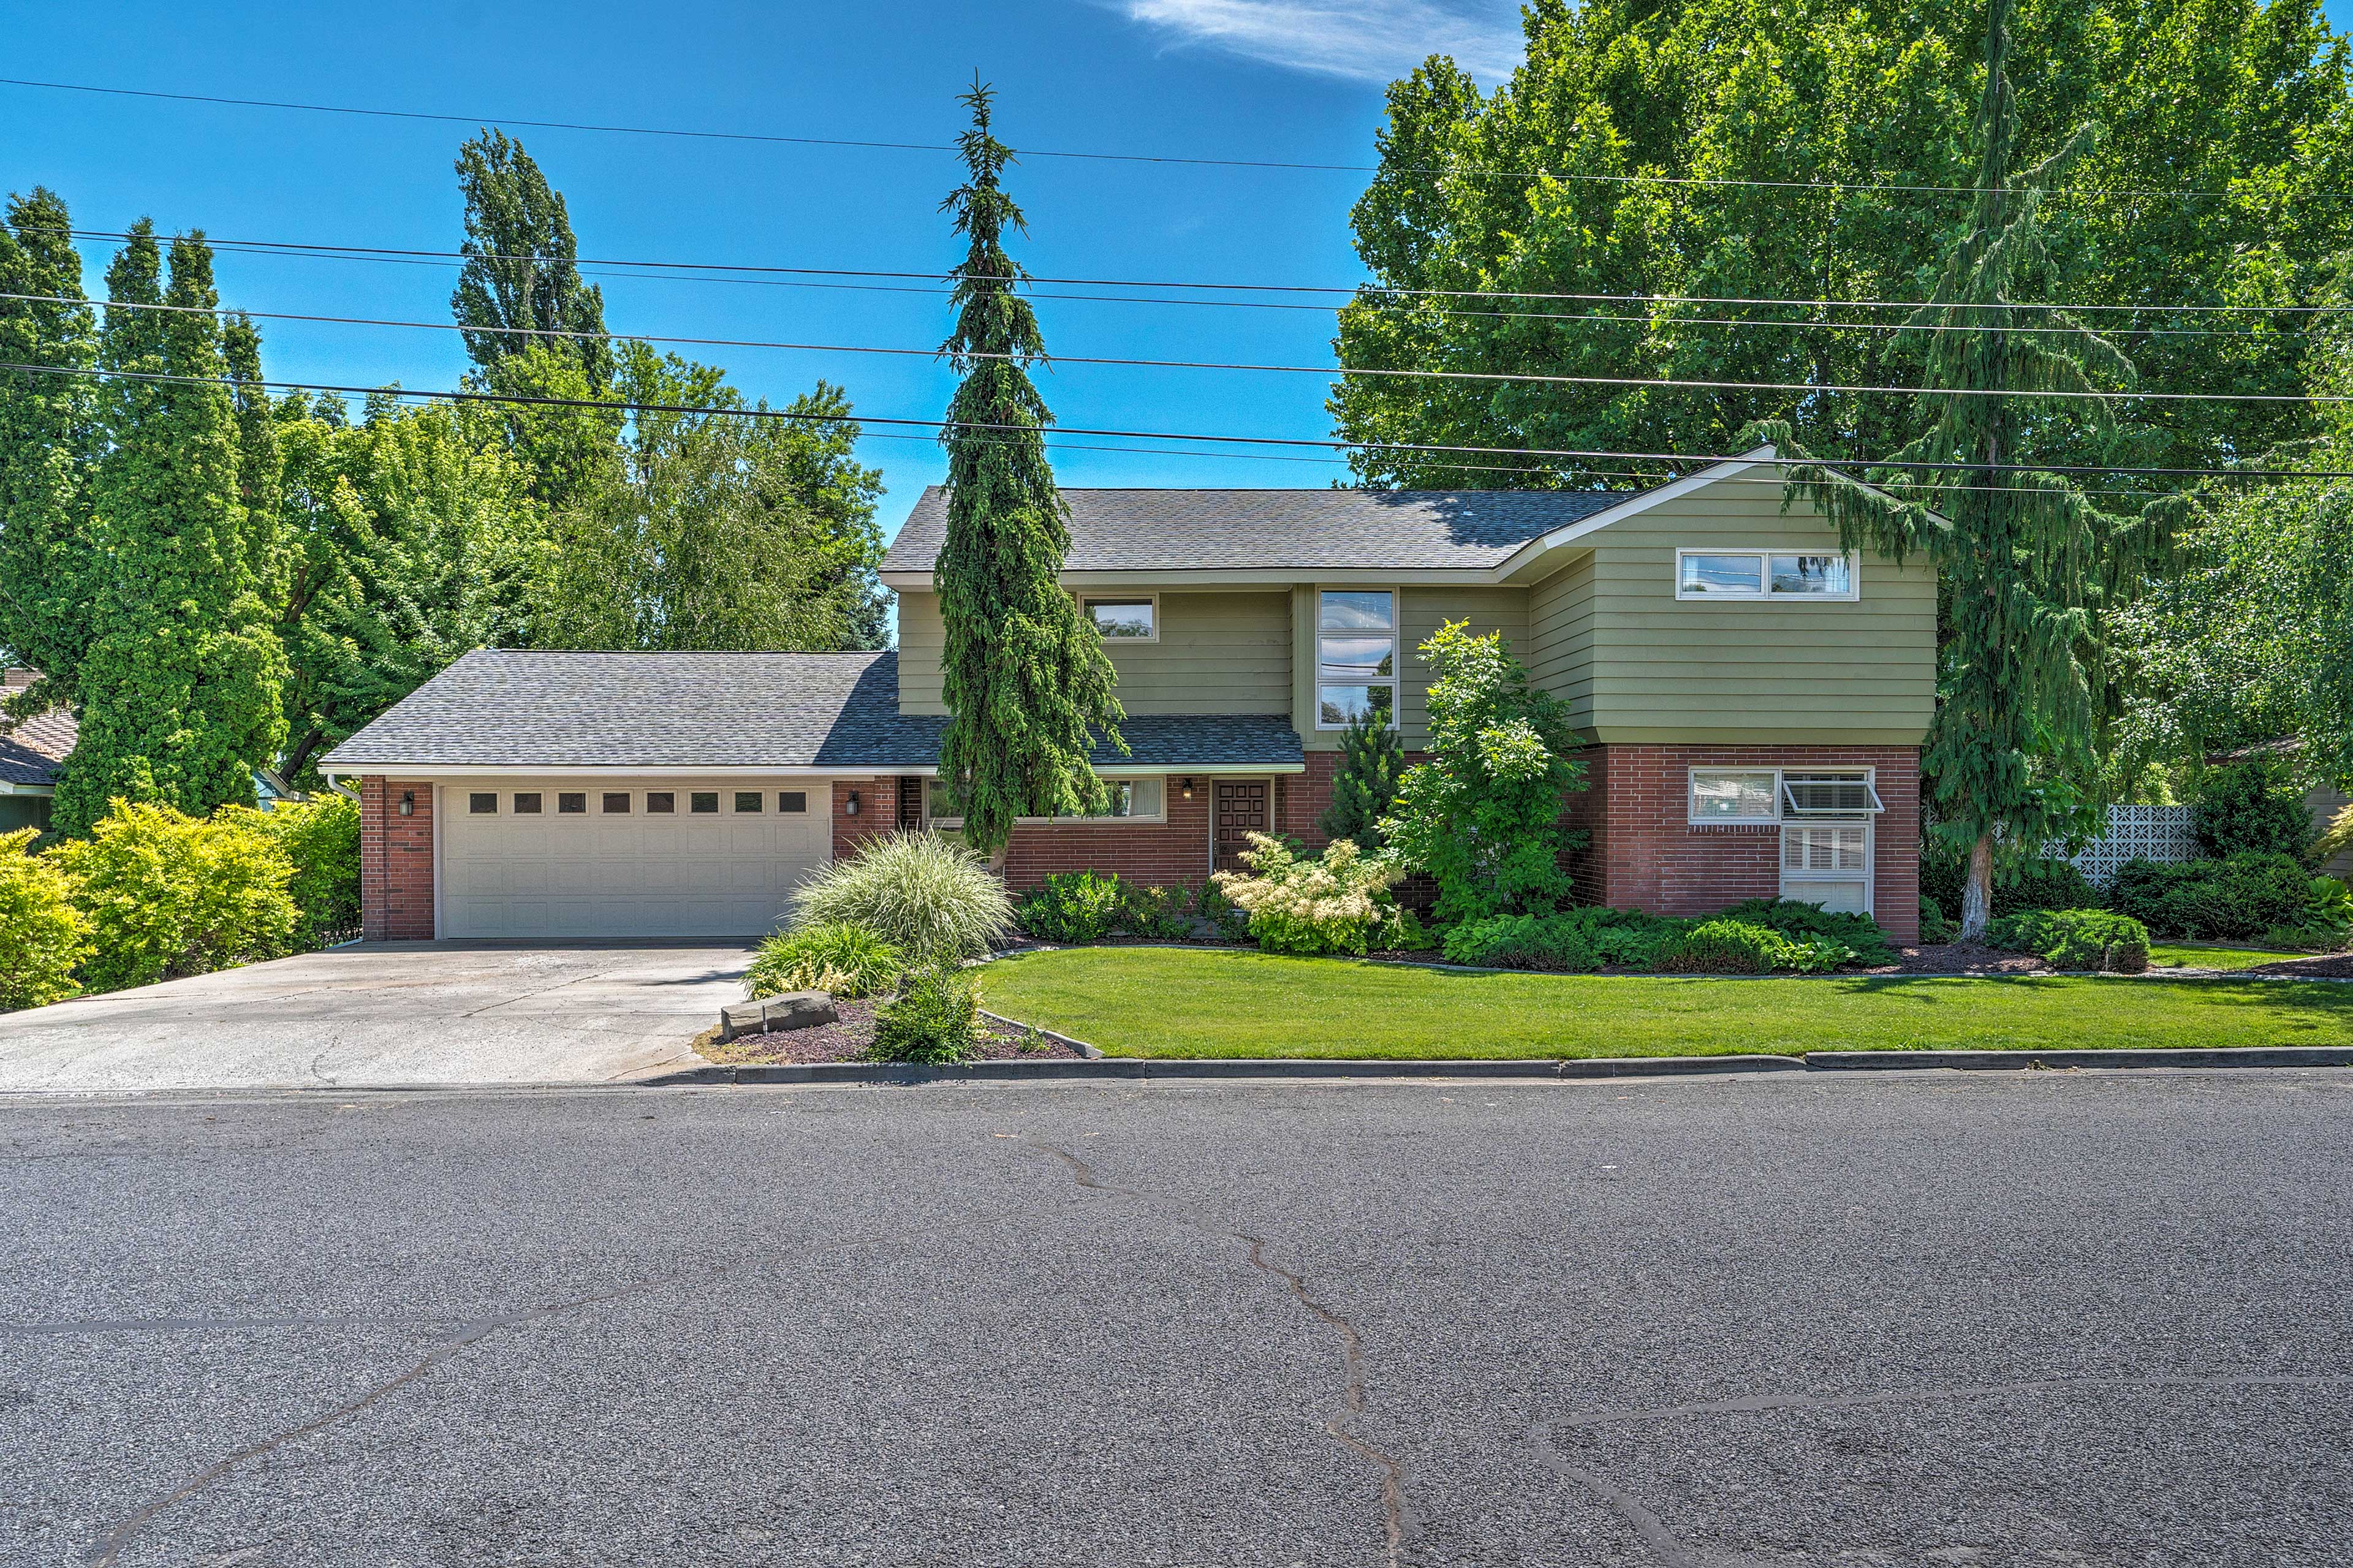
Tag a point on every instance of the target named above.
point(561, 857)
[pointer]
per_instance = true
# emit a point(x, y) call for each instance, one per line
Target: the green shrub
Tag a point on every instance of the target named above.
point(322, 838)
point(1523, 941)
point(1310, 906)
point(1075, 906)
point(2239, 898)
point(1224, 917)
point(1400, 930)
point(1725, 947)
point(2074, 939)
point(835, 956)
point(168, 895)
point(1371, 759)
point(2254, 806)
point(934, 900)
point(1163, 914)
point(1797, 919)
point(42, 934)
point(934, 1019)
point(1935, 928)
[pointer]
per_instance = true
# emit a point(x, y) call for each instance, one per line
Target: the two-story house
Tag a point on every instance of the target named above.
point(1751, 699)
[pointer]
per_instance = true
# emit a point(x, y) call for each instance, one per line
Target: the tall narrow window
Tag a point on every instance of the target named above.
point(1355, 656)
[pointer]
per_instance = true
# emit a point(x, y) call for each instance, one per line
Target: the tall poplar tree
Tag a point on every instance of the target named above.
point(1027, 683)
point(179, 691)
point(45, 559)
point(522, 267)
point(2030, 566)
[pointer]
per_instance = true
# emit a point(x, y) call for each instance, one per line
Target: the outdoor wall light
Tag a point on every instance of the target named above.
point(1189, 789)
point(849, 807)
point(409, 802)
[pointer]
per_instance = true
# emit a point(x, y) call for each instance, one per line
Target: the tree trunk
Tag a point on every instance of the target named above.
point(1976, 892)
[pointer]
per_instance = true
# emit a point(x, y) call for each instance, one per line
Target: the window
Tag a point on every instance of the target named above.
point(1727, 794)
point(571, 804)
point(1126, 620)
point(1825, 848)
point(747, 802)
point(1131, 800)
point(482, 804)
point(1355, 656)
point(527, 802)
point(661, 803)
point(1762, 575)
point(703, 802)
point(617, 803)
point(792, 800)
point(1829, 794)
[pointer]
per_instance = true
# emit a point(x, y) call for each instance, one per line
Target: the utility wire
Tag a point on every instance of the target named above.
point(1355, 293)
point(1450, 171)
point(1688, 460)
point(1329, 373)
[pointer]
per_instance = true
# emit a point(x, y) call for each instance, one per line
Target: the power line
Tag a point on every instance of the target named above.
point(1448, 170)
point(1688, 460)
point(451, 260)
point(1355, 293)
point(1328, 372)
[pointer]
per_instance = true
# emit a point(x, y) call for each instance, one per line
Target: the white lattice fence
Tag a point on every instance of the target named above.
point(2136, 832)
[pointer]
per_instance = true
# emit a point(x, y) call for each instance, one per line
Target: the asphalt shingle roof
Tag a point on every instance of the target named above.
point(31, 750)
point(1192, 530)
point(524, 710)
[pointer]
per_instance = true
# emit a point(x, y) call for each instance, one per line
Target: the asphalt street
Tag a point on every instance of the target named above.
point(1932, 1319)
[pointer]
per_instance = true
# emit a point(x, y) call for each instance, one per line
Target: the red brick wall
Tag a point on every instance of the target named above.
point(396, 862)
point(878, 813)
point(1644, 855)
point(1160, 855)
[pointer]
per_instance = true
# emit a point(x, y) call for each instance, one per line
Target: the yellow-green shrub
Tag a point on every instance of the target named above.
point(42, 935)
point(167, 895)
point(322, 838)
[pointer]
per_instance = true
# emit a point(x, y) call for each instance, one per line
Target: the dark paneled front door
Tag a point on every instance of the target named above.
point(1242, 810)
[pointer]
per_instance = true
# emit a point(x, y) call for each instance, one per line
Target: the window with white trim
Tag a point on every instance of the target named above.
point(1734, 795)
point(1829, 847)
point(1829, 794)
point(1355, 656)
point(1130, 800)
point(1136, 618)
point(1763, 575)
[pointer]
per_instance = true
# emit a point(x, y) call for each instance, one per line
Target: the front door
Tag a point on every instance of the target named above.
point(1241, 811)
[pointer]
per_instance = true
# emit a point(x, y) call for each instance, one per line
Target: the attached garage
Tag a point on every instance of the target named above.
point(624, 857)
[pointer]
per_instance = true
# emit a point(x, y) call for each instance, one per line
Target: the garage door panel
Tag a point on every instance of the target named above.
point(615, 875)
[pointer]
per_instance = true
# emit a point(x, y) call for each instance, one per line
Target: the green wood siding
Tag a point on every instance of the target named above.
point(1218, 653)
point(1636, 663)
point(1503, 610)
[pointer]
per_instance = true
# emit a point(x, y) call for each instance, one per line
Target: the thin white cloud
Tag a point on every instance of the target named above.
point(1366, 40)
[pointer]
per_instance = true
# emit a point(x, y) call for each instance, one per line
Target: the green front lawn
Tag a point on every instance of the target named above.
point(2215, 955)
point(1174, 1002)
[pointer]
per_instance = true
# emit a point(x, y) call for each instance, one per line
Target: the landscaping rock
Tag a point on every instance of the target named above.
point(772, 1015)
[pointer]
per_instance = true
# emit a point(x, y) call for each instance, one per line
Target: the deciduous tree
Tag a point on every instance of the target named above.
point(522, 271)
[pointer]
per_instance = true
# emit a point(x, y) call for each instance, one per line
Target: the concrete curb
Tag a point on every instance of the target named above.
point(1654, 1066)
point(2152, 1056)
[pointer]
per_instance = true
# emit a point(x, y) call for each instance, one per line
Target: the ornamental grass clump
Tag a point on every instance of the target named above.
point(42, 935)
point(836, 957)
point(934, 900)
point(1336, 904)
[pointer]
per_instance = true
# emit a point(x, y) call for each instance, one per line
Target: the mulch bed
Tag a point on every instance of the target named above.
point(846, 1040)
point(1960, 958)
point(2325, 966)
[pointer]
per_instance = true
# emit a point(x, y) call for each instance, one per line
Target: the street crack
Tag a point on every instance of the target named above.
point(1341, 1427)
point(109, 1549)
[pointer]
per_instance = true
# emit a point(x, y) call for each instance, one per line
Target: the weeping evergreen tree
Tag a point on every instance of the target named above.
point(45, 428)
point(179, 690)
point(1025, 680)
point(2030, 566)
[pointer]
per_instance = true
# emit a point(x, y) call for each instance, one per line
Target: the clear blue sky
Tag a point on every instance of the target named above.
point(1204, 78)
point(1296, 80)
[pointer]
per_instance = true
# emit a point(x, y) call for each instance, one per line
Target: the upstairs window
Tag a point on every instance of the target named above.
point(1355, 656)
point(1762, 575)
point(1126, 620)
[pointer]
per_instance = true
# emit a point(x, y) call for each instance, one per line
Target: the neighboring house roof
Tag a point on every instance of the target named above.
point(816, 710)
point(32, 750)
point(1245, 529)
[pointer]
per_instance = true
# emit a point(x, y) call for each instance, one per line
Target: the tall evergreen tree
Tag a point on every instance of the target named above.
point(1027, 683)
point(45, 430)
point(1364, 790)
point(179, 691)
point(2029, 564)
point(522, 269)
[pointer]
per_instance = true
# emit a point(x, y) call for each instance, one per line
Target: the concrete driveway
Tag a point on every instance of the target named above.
point(387, 1013)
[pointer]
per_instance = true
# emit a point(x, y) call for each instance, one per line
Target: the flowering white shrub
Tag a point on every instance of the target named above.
point(1332, 905)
